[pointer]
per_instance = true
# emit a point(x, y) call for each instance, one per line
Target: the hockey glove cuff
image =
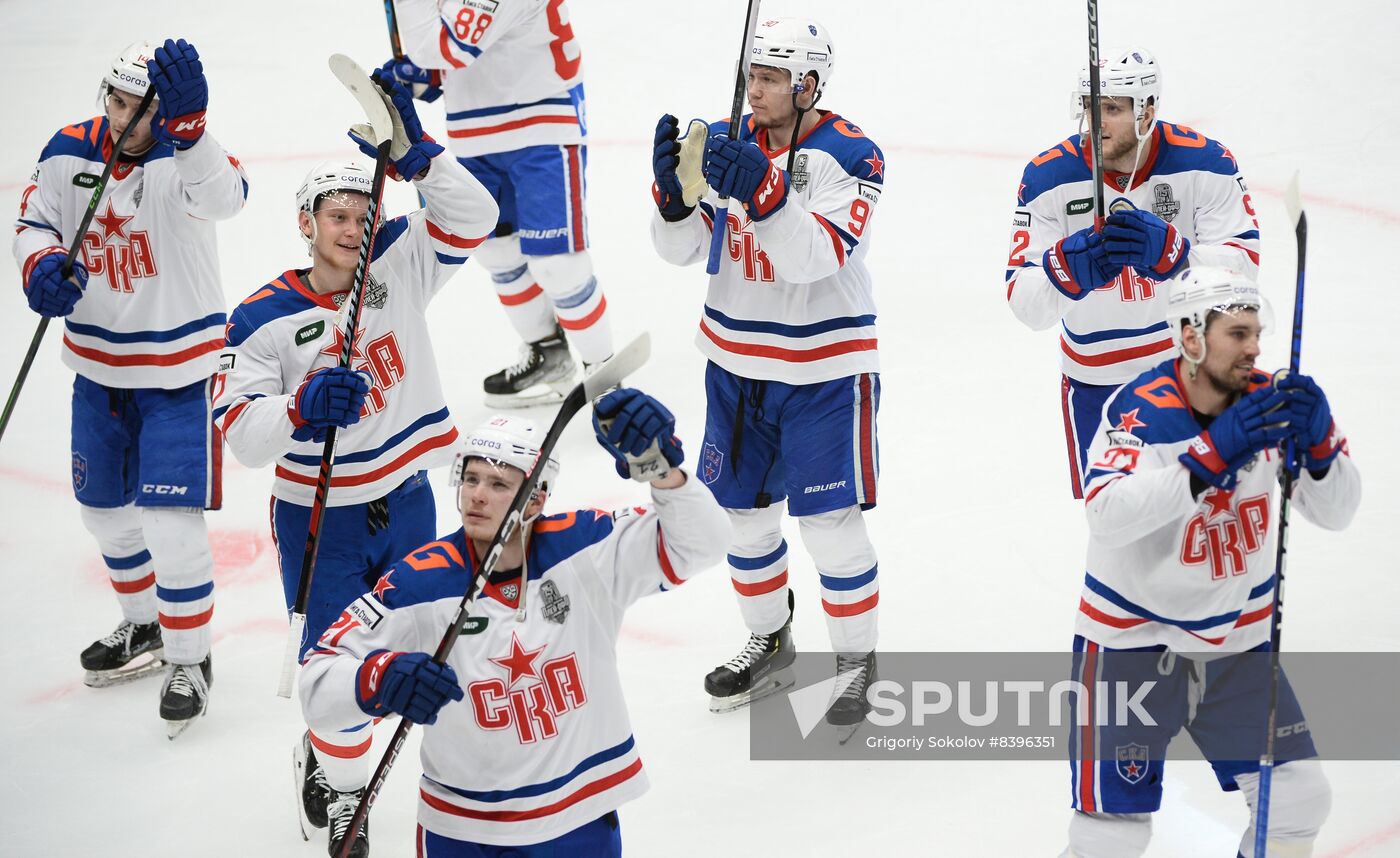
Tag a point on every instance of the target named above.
point(410, 684)
point(1078, 264)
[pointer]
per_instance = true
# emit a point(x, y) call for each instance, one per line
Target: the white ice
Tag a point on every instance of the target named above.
point(980, 546)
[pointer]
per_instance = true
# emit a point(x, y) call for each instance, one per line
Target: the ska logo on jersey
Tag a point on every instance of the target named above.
point(532, 695)
point(1225, 533)
point(711, 463)
point(117, 253)
point(1132, 762)
point(382, 359)
point(1164, 205)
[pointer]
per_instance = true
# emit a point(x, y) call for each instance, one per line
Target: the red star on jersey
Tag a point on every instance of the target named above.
point(1130, 421)
point(1132, 769)
point(521, 662)
point(1219, 502)
point(112, 223)
point(877, 166)
point(383, 586)
point(335, 348)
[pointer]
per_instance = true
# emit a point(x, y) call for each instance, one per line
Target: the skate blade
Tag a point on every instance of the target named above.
point(123, 675)
point(767, 687)
point(298, 773)
point(844, 732)
point(547, 396)
point(173, 729)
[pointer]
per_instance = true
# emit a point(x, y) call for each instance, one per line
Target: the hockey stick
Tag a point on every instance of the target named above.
point(391, 17)
point(1095, 115)
point(610, 374)
point(67, 270)
point(367, 94)
point(720, 228)
point(1294, 203)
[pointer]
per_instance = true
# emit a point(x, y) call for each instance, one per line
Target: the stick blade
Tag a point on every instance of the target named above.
point(371, 101)
point(1293, 201)
point(619, 366)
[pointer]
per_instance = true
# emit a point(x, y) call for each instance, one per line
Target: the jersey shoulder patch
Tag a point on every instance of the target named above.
point(1184, 150)
point(273, 301)
point(559, 537)
point(79, 140)
point(1152, 408)
point(438, 570)
point(847, 144)
point(1059, 165)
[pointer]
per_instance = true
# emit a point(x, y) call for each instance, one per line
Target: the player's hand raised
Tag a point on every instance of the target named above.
point(183, 93)
point(1311, 419)
point(50, 293)
point(1079, 263)
point(423, 84)
point(742, 171)
point(1258, 421)
point(411, 150)
point(639, 433)
point(665, 157)
point(1146, 242)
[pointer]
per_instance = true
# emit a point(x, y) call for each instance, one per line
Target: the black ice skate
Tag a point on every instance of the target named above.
point(339, 812)
point(108, 661)
point(849, 704)
point(185, 695)
point(544, 374)
point(760, 669)
point(312, 791)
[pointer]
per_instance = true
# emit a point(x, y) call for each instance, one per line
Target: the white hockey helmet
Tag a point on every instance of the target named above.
point(800, 45)
point(1197, 295)
point(1132, 73)
point(506, 440)
point(327, 180)
point(128, 72)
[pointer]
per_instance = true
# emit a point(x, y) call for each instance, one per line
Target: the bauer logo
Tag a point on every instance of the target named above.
point(1021, 219)
point(1079, 207)
point(85, 180)
point(311, 332)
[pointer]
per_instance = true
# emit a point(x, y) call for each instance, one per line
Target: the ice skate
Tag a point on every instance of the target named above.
point(849, 704)
point(543, 375)
point(185, 695)
point(109, 661)
point(312, 791)
point(759, 670)
point(339, 812)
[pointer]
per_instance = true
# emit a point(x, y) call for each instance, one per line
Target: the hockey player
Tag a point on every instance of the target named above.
point(792, 383)
point(509, 73)
point(1180, 571)
point(1177, 198)
point(538, 753)
point(281, 388)
point(143, 326)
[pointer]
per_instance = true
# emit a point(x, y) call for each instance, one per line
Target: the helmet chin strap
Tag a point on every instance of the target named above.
point(1193, 365)
point(797, 125)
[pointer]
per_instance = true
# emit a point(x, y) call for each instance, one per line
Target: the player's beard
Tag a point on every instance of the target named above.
point(1226, 384)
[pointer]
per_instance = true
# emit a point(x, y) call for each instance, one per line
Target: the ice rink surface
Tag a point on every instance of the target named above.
point(980, 546)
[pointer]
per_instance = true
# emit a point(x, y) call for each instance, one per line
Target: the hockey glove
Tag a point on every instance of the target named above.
point(48, 291)
point(178, 76)
point(411, 149)
point(1311, 419)
point(327, 397)
point(742, 172)
point(665, 157)
point(1146, 242)
point(408, 683)
point(1078, 264)
point(424, 84)
point(639, 433)
point(1258, 421)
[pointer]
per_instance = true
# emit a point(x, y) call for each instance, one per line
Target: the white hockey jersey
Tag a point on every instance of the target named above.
point(1116, 332)
point(1166, 568)
point(511, 75)
point(542, 743)
point(793, 302)
point(153, 312)
point(284, 331)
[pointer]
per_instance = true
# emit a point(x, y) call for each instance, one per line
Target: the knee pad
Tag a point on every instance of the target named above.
point(755, 532)
point(116, 529)
point(838, 541)
point(1108, 835)
point(1300, 800)
point(579, 305)
point(179, 541)
point(501, 256)
point(566, 277)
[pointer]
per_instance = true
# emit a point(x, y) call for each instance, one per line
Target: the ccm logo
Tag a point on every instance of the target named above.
point(153, 489)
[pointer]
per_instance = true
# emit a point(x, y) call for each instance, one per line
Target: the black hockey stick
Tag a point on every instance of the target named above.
point(720, 228)
point(367, 94)
point(610, 374)
point(1294, 202)
point(1095, 116)
point(67, 269)
point(391, 17)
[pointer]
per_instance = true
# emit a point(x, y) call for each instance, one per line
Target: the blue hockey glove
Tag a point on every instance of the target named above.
point(327, 397)
point(665, 157)
point(183, 93)
point(423, 84)
point(1146, 242)
point(408, 683)
point(1311, 419)
point(1078, 264)
point(639, 433)
point(1258, 421)
point(742, 172)
point(411, 149)
point(48, 291)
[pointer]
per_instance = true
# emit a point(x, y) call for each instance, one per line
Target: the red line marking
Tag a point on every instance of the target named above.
point(1378, 838)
